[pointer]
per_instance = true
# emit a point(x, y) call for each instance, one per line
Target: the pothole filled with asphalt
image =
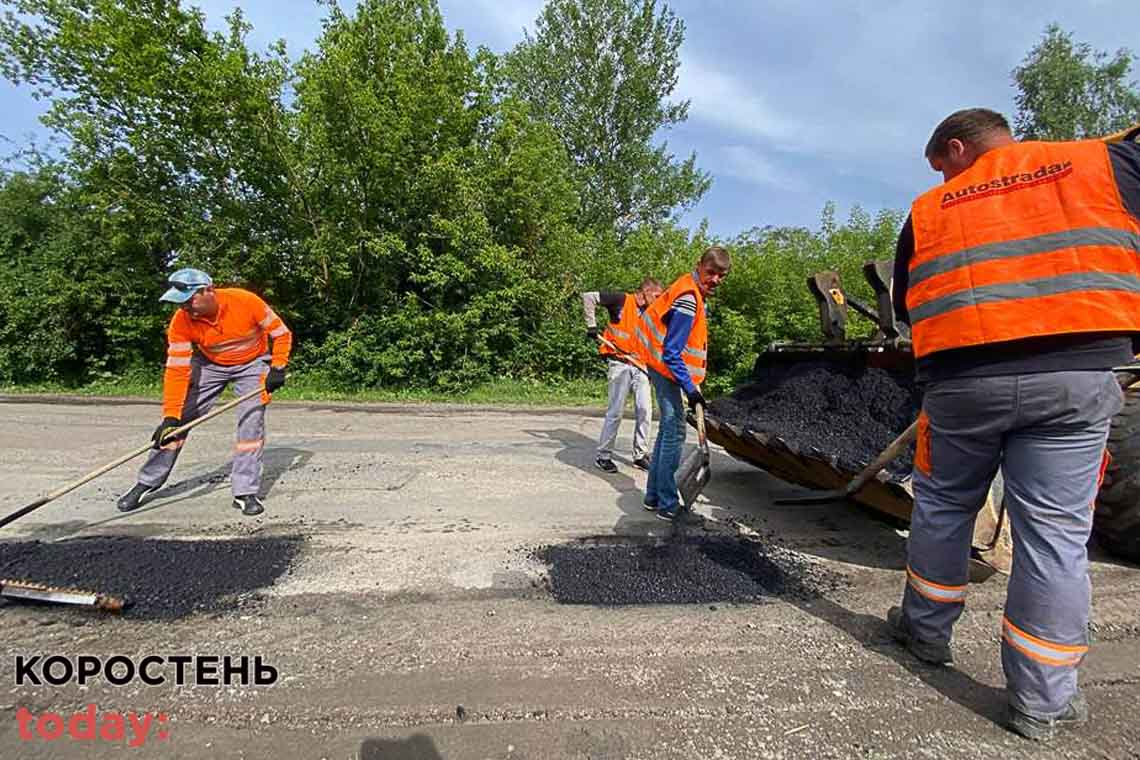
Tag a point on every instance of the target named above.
point(158, 578)
point(689, 570)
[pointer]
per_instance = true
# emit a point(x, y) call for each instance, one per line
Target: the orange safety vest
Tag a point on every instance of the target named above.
point(623, 333)
point(1032, 240)
point(651, 329)
point(237, 335)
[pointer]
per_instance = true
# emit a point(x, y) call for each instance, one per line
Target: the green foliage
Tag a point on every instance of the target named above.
point(1067, 90)
point(601, 72)
point(422, 215)
point(71, 305)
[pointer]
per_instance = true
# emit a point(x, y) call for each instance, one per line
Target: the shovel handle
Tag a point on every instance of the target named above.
point(632, 359)
point(702, 441)
point(888, 455)
point(124, 459)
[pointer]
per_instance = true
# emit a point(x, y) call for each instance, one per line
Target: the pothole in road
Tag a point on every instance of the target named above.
point(689, 570)
point(159, 578)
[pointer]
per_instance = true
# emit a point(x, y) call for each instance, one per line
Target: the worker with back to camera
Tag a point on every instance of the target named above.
point(625, 371)
point(216, 337)
point(1019, 277)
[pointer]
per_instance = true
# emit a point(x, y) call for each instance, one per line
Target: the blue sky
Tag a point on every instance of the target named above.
point(793, 104)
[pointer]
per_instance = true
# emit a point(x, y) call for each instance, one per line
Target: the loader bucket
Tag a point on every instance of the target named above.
point(816, 415)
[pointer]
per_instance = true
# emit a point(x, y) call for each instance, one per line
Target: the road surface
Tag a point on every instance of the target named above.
point(415, 622)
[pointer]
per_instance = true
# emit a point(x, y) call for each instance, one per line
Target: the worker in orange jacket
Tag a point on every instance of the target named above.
point(626, 371)
point(1020, 278)
point(217, 336)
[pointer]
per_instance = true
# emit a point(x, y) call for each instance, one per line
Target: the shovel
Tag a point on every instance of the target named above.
point(888, 455)
point(632, 361)
point(123, 459)
point(694, 473)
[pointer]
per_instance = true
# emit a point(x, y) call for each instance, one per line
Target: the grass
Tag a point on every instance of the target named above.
point(505, 392)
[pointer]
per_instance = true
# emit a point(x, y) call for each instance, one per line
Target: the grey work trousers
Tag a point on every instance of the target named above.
point(1047, 433)
point(622, 379)
point(207, 381)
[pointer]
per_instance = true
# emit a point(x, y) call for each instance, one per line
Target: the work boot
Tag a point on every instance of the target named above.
point(1043, 729)
point(930, 652)
point(641, 463)
point(249, 505)
point(130, 500)
point(606, 465)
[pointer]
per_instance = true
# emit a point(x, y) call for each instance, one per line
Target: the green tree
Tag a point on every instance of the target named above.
point(441, 209)
point(170, 130)
point(601, 73)
point(1067, 90)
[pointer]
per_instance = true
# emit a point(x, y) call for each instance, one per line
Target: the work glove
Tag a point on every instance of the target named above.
point(275, 379)
point(592, 334)
point(164, 428)
point(696, 399)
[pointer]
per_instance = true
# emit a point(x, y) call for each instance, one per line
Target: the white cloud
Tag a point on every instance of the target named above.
point(505, 19)
point(748, 164)
point(721, 99)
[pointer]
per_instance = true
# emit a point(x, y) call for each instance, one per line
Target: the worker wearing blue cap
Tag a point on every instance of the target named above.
point(217, 336)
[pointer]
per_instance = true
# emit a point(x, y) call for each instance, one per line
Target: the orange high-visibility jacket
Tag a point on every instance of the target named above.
point(651, 329)
point(238, 334)
point(1032, 240)
point(623, 333)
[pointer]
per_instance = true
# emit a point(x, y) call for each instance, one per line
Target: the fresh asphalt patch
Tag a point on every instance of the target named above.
point(684, 570)
point(158, 578)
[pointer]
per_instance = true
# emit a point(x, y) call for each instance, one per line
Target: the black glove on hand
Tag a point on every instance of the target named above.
point(275, 379)
point(592, 334)
point(168, 424)
point(696, 399)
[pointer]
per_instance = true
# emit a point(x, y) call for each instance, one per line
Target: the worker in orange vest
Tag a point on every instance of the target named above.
point(673, 339)
point(217, 336)
point(625, 371)
point(1020, 279)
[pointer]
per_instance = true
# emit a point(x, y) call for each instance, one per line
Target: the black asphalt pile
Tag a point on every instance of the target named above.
point(159, 578)
point(693, 570)
point(845, 412)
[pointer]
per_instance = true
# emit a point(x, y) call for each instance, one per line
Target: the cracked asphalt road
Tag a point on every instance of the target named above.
point(415, 622)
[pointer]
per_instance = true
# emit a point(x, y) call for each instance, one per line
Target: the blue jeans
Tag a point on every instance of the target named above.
point(661, 491)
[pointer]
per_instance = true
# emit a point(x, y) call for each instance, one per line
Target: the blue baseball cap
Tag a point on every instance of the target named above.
point(185, 283)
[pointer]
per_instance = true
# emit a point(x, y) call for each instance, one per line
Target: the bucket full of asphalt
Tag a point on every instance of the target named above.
point(842, 412)
point(158, 578)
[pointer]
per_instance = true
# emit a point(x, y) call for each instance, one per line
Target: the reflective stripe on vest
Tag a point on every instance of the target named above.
point(651, 332)
point(1032, 240)
point(623, 333)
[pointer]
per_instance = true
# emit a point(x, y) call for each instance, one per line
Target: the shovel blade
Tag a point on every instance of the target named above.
point(693, 476)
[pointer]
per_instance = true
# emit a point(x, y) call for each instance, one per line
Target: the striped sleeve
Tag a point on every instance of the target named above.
point(278, 332)
point(176, 377)
point(686, 304)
